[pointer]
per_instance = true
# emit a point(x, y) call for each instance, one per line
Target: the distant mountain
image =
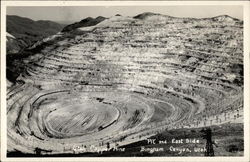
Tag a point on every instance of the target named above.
point(227, 18)
point(27, 31)
point(65, 23)
point(145, 15)
point(224, 18)
point(89, 21)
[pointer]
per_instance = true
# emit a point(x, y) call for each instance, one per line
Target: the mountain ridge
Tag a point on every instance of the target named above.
point(89, 21)
point(29, 31)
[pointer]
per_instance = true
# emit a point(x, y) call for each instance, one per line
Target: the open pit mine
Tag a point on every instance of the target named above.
point(125, 79)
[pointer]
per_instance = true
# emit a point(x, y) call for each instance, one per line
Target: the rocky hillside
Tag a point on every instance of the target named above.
point(89, 21)
point(27, 31)
point(203, 48)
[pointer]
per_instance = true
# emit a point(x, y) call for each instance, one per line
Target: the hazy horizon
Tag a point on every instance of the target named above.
point(77, 13)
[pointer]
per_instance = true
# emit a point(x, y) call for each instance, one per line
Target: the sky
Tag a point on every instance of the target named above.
point(77, 13)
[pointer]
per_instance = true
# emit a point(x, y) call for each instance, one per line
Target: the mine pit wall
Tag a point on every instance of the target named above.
point(200, 111)
point(198, 122)
point(202, 103)
point(146, 84)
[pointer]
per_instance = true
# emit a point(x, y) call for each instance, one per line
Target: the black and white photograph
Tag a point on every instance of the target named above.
point(110, 80)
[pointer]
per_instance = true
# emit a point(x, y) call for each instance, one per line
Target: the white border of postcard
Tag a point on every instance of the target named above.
point(246, 13)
